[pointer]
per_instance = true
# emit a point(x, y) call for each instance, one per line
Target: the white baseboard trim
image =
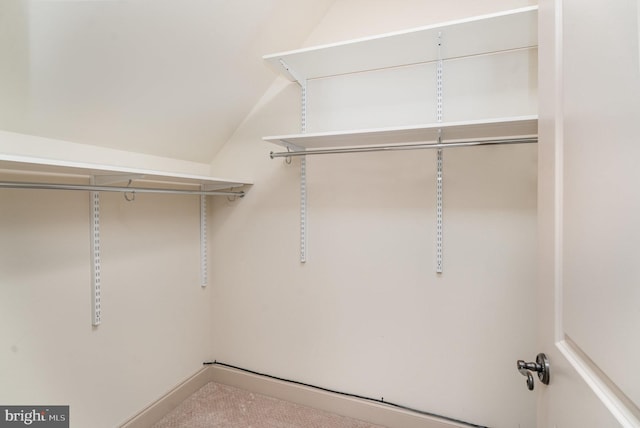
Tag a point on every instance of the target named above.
point(369, 411)
point(356, 408)
point(157, 410)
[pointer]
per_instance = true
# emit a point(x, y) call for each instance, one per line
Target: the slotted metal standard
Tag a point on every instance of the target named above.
point(439, 213)
point(439, 72)
point(303, 210)
point(302, 81)
point(96, 292)
point(303, 182)
point(204, 252)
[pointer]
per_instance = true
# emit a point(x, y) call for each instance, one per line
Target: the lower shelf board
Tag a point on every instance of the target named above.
point(509, 127)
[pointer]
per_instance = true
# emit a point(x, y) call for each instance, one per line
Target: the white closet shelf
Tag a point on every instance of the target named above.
point(498, 32)
point(50, 168)
point(511, 127)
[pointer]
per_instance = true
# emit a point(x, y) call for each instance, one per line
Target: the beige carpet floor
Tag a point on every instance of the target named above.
point(217, 405)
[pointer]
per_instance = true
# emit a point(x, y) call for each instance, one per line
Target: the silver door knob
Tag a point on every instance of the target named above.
point(541, 366)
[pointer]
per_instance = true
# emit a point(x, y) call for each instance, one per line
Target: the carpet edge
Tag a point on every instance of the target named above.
point(169, 401)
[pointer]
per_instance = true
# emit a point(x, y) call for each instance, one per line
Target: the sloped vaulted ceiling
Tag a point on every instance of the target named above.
point(170, 78)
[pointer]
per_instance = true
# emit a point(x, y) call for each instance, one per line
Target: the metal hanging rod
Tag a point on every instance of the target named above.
point(94, 188)
point(418, 146)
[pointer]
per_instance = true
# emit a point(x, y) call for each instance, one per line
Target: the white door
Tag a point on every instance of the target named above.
point(589, 207)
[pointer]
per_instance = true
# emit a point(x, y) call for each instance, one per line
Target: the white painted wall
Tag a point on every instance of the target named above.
point(169, 78)
point(367, 314)
point(156, 318)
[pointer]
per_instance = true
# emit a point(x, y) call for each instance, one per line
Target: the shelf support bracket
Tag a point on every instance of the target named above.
point(302, 81)
point(96, 293)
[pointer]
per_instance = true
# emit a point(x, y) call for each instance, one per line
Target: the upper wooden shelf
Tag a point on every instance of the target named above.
point(59, 168)
point(47, 159)
point(500, 128)
point(497, 32)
